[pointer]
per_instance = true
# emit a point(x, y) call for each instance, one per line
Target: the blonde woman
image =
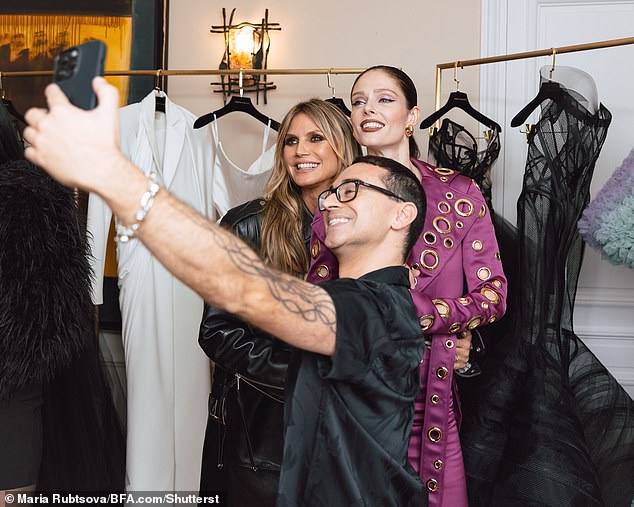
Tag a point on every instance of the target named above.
point(243, 443)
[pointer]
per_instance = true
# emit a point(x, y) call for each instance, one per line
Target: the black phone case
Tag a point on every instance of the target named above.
point(75, 69)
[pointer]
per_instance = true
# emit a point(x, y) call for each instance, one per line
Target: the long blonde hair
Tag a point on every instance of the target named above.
point(282, 229)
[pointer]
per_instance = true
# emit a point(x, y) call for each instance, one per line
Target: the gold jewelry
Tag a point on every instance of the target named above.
point(409, 130)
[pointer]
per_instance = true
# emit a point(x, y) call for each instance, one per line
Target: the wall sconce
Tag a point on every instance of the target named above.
point(246, 47)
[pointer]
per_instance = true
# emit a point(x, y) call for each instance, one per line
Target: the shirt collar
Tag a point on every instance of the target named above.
point(395, 275)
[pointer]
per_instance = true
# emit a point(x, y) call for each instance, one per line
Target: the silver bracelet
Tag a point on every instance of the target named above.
point(125, 234)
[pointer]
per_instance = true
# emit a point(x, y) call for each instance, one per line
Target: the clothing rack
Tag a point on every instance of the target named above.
point(519, 56)
point(196, 72)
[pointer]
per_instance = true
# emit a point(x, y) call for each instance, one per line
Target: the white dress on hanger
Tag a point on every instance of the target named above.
point(232, 184)
point(168, 377)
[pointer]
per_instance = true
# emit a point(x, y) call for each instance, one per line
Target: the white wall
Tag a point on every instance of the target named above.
point(412, 35)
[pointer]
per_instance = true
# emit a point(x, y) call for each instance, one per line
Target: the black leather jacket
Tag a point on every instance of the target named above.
point(245, 425)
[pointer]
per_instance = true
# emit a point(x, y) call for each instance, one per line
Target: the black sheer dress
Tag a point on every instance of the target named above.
point(549, 425)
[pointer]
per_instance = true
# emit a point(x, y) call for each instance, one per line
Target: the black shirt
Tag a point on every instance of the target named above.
point(348, 418)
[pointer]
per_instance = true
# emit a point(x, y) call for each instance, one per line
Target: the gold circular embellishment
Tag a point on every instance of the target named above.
point(459, 224)
point(491, 295)
point(448, 242)
point(464, 301)
point(444, 179)
point(483, 211)
point(444, 207)
point(323, 271)
point(474, 322)
point(498, 256)
point(314, 249)
point(429, 237)
point(497, 283)
point(434, 434)
point(438, 464)
point(492, 319)
point(437, 221)
point(449, 344)
point(455, 327)
point(462, 203)
point(444, 170)
point(432, 485)
point(442, 373)
point(443, 307)
point(426, 321)
point(434, 399)
point(484, 273)
point(477, 245)
point(484, 305)
point(423, 262)
point(449, 195)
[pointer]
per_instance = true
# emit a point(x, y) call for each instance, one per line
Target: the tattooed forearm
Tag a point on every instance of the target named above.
point(298, 297)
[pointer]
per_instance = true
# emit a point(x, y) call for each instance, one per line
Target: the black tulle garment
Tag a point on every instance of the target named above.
point(454, 147)
point(546, 424)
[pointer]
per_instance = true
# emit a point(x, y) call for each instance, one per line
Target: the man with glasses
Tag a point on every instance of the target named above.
point(350, 392)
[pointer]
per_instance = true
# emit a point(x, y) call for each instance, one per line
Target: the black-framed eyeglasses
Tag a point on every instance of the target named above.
point(348, 190)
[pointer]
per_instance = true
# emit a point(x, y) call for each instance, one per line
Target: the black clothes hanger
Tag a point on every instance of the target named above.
point(340, 104)
point(236, 103)
point(461, 101)
point(336, 100)
point(159, 99)
point(547, 91)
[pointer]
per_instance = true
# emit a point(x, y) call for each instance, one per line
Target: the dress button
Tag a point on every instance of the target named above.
point(442, 373)
point(323, 271)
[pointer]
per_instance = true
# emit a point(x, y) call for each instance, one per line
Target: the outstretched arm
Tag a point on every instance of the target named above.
point(80, 149)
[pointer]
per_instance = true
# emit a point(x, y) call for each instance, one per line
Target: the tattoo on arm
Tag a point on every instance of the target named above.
point(310, 302)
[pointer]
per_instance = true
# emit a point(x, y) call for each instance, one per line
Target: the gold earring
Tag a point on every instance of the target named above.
point(409, 130)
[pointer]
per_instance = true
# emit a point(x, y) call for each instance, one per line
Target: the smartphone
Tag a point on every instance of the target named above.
point(75, 69)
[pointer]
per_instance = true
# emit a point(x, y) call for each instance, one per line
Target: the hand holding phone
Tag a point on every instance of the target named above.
point(75, 69)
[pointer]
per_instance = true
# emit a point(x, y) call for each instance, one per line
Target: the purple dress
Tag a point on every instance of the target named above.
point(457, 249)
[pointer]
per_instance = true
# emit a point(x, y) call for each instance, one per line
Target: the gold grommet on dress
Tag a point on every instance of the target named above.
point(492, 319)
point(483, 211)
point(466, 301)
point(426, 321)
point(448, 242)
point(458, 207)
point(434, 398)
point(498, 256)
point(484, 273)
point(442, 372)
point(438, 464)
point(434, 434)
point(423, 262)
point(497, 283)
point(459, 224)
point(491, 295)
point(429, 237)
point(474, 322)
point(323, 271)
point(444, 170)
point(484, 305)
point(449, 195)
point(314, 249)
point(443, 307)
point(455, 327)
point(477, 245)
point(444, 179)
point(444, 207)
point(432, 485)
point(439, 220)
point(449, 344)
